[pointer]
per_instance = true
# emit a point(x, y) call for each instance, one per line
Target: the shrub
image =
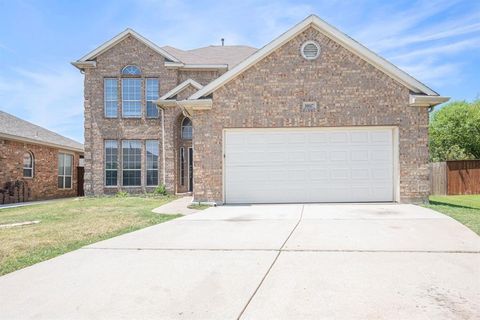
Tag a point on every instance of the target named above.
point(121, 194)
point(161, 189)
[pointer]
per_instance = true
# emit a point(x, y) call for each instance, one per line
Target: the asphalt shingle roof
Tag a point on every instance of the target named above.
point(13, 126)
point(230, 55)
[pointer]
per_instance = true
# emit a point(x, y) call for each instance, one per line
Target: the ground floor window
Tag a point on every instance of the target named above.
point(111, 162)
point(152, 149)
point(132, 162)
point(28, 165)
point(65, 164)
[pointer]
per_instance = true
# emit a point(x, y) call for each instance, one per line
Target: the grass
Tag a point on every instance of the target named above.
point(69, 224)
point(464, 208)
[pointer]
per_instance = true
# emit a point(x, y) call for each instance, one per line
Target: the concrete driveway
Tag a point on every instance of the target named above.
point(264, 262)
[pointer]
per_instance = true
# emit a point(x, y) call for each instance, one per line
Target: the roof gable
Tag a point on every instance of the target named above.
point(117, 39)
point(182, 86)
point(331, 32)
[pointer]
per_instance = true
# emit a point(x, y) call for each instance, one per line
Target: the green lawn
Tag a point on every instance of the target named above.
point(465, 208)
point(69, 224)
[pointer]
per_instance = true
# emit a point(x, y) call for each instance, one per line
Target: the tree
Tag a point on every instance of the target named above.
point(455, 132)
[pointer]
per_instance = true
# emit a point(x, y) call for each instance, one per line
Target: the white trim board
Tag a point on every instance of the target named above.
point(332, 33)
point(181, 87)
point(119, 37)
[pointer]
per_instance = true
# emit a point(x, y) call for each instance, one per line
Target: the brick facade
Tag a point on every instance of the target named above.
point(348, 92)
point(130, 51)
point(44, 184)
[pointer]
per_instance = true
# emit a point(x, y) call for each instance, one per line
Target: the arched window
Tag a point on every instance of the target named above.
point(28, 165)
point(187, 129)
point(131, 71)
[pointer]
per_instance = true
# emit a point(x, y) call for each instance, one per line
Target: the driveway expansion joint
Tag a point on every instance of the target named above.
point(271, 266)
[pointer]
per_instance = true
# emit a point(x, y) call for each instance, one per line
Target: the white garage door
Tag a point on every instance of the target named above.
point(309, 165)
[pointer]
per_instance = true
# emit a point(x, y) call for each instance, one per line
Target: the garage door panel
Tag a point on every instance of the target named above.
point(322, 165)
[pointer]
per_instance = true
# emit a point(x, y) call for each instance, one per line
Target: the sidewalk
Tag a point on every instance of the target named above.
point(179, 206)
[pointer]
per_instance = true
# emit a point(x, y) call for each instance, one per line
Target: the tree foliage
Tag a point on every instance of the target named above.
point(455, 132)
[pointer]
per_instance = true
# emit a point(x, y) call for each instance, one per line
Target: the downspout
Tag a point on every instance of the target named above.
point(164, 172)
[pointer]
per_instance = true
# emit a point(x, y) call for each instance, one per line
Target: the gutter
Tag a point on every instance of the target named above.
point(426, 101)
point(37, 142)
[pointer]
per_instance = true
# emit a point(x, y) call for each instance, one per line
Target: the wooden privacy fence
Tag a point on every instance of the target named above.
point(455, 177)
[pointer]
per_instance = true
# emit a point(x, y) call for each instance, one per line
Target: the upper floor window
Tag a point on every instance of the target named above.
point(187, 129)
point(132, 97)
point(131, 71)
point(110, 90)
point(28, 165)
point(151, 95)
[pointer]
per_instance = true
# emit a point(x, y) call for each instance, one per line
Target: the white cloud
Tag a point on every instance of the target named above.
point(51, 98)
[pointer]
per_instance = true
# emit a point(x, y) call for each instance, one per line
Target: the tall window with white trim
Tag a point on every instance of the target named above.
point(152, 150)
point(65, 170)
point(151, 95)
point(28, 165)
point(132, 162)
point(132, 97)
point(111, 162)
point(110, 93)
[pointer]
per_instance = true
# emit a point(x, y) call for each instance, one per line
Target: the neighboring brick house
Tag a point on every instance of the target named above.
point(311, 117)
point(36, 163)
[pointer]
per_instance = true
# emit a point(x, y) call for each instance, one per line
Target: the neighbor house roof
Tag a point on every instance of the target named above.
point(229, 56)
point(331, 32)
point(15, 128)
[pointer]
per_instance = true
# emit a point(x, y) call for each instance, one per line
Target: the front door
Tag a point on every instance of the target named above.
point(190, 169)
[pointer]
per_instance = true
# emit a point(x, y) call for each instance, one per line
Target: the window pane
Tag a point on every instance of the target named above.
point(151, 95)
point(131, 177)
point(27, 160)
point(110, 98)
point(60, 182)
point(152, 177)
point(132, 162)
point(68, 182)
point(111, 157)
point(152, 149)
point(131, 97)
point(131, 70)
point(68, 165)
point(111, 178)
point(27, 173)
point(61, 169)
point(187, 131)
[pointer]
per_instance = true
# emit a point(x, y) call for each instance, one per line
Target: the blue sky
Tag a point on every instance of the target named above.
point(438, 42)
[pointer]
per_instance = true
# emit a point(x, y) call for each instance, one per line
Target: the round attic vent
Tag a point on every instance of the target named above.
point(310, 50)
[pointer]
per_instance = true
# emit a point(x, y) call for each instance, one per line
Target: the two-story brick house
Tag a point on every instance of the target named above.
point(313, 116)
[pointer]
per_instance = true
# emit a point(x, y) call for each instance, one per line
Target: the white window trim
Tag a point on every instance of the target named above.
point(146, 164)
point(122, 167)
point(32, 168)
point(154, 101)
point(105, 163)
point(124, 100)
point(64, 175)
point(105, 98)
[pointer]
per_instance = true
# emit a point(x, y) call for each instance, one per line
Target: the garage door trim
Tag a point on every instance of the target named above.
point(395, 147)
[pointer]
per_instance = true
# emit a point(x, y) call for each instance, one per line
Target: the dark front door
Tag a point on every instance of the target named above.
point(80, 171)
point(190, 169)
